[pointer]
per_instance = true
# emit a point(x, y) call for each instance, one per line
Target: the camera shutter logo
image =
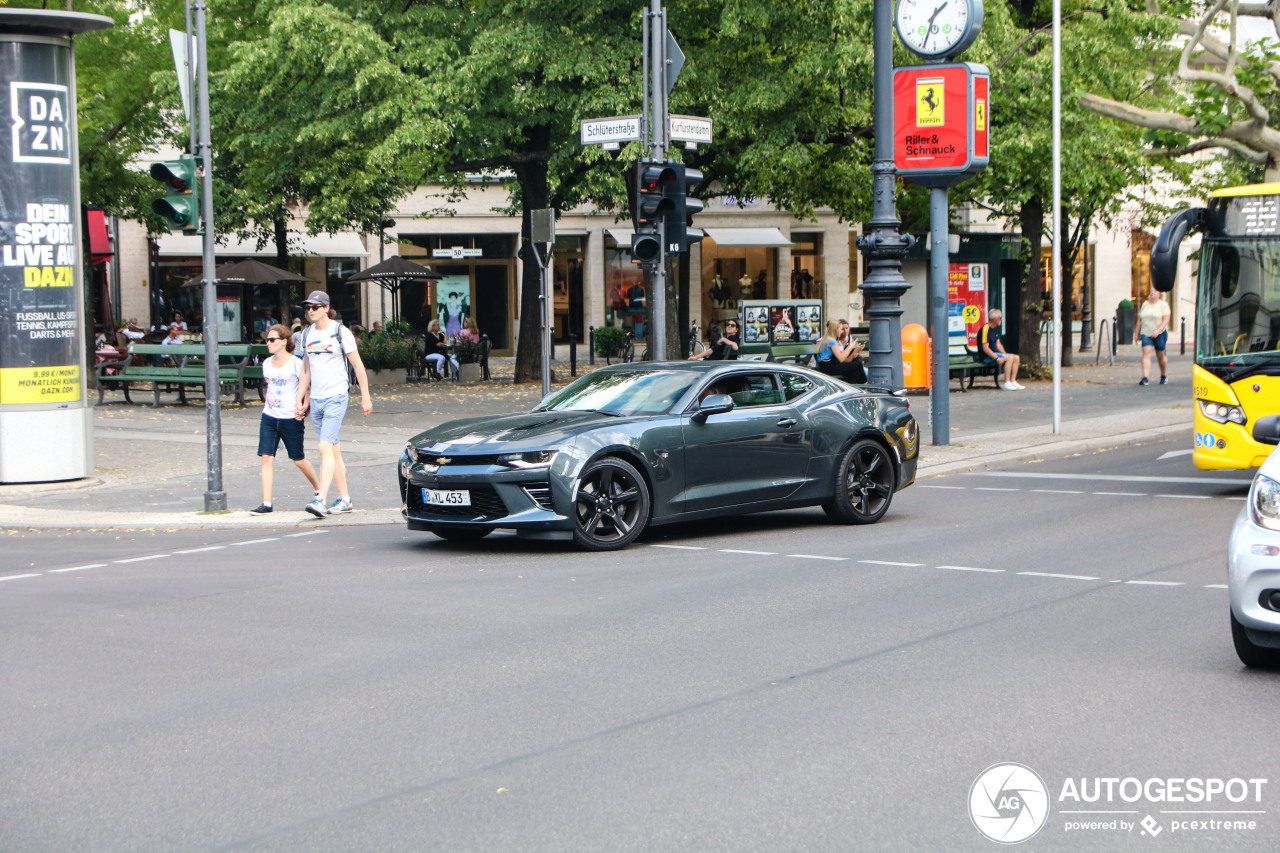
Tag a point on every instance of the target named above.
point(1008, 803)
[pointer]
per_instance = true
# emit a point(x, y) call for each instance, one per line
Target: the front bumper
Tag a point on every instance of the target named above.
point(1251, 575)
point(500, 497)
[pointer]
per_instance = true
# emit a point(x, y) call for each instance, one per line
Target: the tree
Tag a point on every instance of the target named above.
point(1220, 94)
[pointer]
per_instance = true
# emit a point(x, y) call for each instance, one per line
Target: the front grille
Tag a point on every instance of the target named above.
point(485, 504)
point(431, 457)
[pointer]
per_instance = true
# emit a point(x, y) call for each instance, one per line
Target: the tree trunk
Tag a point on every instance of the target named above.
point(1066, 275)
point(280, 226)
point(1032, 218)
point(534, 195)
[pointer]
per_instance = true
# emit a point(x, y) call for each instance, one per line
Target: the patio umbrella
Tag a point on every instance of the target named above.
point(254, 272)
point(394, 273)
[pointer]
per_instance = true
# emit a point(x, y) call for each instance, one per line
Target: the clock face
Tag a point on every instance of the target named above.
point(936, 28)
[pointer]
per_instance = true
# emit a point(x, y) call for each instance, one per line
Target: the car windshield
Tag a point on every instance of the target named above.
point(623, 392)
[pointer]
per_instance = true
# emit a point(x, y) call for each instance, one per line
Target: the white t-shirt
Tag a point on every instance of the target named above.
point(169, 342)
point(327, 361)
point(282, 388)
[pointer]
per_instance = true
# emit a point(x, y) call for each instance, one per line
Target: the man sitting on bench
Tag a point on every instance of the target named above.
point(993, 351)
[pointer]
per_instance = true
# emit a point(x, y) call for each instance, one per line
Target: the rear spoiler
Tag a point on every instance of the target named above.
point(1164, 255)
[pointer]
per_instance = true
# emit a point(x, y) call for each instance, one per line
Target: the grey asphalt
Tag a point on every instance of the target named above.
point(152, 472)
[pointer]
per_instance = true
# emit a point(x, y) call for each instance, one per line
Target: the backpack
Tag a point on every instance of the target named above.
point(352, 382)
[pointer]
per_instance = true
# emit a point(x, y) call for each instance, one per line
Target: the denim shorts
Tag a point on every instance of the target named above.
point(272, 431)
point(988, 360)
point(1158, 341)
point(327, 415)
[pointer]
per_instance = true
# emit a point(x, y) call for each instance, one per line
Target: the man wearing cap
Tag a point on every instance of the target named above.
point(323, 386)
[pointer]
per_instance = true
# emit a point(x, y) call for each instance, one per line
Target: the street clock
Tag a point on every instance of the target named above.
point(938, 29)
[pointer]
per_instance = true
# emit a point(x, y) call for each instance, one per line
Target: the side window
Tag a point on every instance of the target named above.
point(794, 385)
point(757, 390)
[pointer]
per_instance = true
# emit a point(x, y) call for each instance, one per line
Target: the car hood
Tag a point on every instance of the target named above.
point(509, 433)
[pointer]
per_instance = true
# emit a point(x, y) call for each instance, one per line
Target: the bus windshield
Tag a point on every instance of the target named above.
point(1239, 304)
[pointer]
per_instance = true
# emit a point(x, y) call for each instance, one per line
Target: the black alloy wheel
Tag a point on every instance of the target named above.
point(863, 486)
point(462, 534)
point(612, 506)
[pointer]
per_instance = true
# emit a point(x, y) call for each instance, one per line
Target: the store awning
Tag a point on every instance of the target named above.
point(99, 242)
point(760, 237)
point(621, 237)
point(324, 245)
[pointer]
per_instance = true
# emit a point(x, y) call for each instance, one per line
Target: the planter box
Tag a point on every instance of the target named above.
point(469, 374)
point(385, 377)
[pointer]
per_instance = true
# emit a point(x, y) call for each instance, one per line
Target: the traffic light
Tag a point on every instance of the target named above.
point(653, 201)
point(181, 203)
point(677, 225)
point(645, 248)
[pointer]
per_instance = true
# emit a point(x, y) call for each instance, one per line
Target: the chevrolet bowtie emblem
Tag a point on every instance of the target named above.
point(443, 460)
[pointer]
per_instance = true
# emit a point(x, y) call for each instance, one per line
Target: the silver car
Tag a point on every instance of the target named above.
point(1253, 561)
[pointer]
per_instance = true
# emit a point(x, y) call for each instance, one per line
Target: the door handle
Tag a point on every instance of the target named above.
point(787, 422)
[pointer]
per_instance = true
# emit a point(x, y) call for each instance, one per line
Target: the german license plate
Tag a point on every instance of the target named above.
point(446, 497)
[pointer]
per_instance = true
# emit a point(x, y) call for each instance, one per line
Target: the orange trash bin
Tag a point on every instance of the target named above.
point(915, 356)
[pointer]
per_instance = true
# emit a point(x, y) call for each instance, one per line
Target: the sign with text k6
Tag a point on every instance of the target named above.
point(940, 122)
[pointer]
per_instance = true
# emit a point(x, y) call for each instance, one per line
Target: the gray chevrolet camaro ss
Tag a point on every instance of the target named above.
point(633, 445)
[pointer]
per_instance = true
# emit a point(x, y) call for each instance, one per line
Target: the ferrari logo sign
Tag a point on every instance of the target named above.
point(930, 105)
point(940, 129)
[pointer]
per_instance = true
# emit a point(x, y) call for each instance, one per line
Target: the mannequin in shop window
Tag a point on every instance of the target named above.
point(762, 286)
point(744, 286)
point(719, 292)
point(636, 304)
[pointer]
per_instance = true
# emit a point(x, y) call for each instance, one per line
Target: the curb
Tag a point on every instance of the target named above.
point(1051, 448)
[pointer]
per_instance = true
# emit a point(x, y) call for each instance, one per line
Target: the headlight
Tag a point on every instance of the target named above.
point(1264, 503)
point(1221, 412)
point(525, 461)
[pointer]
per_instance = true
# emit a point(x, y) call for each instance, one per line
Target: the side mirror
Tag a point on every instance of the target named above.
point(1267, 430)
point(716, 404)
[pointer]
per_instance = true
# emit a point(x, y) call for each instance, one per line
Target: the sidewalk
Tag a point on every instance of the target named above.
point(152, 468)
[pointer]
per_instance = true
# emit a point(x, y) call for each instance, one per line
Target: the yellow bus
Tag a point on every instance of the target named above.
point(1236, 377)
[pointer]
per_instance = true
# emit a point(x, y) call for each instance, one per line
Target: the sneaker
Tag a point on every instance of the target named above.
point(1009, 386)
point(340, 505)
point(1018, 386)
point(316, 507)
point(262, 509)
point(1164, 380)
point(1144, 381)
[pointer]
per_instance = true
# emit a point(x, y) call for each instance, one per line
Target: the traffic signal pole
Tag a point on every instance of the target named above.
point(657, 96)
point(215, 497)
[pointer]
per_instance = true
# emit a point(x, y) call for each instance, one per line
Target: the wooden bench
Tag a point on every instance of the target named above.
point(967, 366)
point(175, 367)
point(798, 353)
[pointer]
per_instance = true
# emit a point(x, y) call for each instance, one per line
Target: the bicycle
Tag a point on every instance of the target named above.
point(628, 351)
point(696, 346)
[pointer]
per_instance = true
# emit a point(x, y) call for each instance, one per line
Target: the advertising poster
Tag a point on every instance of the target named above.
point(755, 327)
point(229, 328)
point(782, 321)
point(41, 347)
point(453, 303)
point(809, 322)
point(966, 305)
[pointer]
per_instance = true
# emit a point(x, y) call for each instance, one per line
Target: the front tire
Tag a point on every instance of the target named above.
point(462, 534)
point(1250, 654)
point(612, 506)
point(863, 485)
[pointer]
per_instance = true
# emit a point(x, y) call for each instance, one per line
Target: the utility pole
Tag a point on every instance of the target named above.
point(655, 55)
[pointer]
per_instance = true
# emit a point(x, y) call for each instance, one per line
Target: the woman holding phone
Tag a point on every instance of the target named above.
point(842, 360)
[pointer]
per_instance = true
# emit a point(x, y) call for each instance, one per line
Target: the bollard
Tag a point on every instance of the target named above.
point(591, 345)
point(1182, 347)
point(573, 354)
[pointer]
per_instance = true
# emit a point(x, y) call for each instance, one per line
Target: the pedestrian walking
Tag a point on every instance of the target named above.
point(281, 420)
point(1153, 334)
point(329, 347)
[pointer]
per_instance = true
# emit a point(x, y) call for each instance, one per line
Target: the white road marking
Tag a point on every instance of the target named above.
point(1186, 497)
point(682, 547)
point(1156, 583)
point(1058, 491)
point(256, 541)
point(993, 489)
point(1063, 577)
point(815, 557)
point(970, 569)
point(757, 553)
point(201, 550)
point(1122, 494)
point(1113, 478)
point(889, 563)
point(78, 568)
point(1215, 586)
point(1237, 499)
point(140, 559)
point(306, 533)
point(956, 488)
point(1172, 454)
point(16, 577)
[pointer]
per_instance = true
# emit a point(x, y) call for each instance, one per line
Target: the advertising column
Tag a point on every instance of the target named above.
point(45, 422)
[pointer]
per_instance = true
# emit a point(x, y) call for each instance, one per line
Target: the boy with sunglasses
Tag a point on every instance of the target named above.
point(327, 345)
